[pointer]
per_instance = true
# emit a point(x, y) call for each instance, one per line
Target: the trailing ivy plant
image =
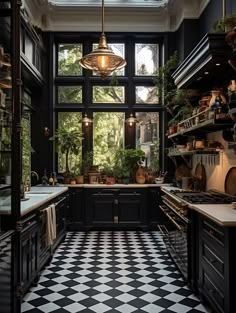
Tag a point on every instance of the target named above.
point(225, 24)
point(164, 81)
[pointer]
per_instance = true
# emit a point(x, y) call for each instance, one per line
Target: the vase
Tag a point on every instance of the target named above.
point(80, 179)
point(140, 175)
point(218, 102)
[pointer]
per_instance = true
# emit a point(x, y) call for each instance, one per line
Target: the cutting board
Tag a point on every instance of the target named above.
point(200, 174)
point(230, 182)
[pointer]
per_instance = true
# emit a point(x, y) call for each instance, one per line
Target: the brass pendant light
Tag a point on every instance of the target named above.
point(102, 60)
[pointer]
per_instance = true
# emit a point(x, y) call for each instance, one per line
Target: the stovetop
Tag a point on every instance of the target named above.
point(210, 197)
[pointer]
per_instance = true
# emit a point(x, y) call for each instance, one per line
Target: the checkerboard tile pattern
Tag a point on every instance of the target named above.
point(112, 272)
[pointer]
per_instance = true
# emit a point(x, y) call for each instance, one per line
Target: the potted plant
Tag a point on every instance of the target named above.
point(87, 162)
point(125, 175)
point(225, 24)
point(108, 171)
point(67, 142)
point(128, 159)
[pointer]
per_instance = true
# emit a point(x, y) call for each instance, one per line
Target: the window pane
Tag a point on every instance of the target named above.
point(26, 145)
point(68, 57)
point(146, 95)
point(146, 59)
point(108, 94)
point(118, 49)
point(29, 48)
point(69, 94)
point(26, 136)
point(147, 137)
point(70, 121)
point(108, 136)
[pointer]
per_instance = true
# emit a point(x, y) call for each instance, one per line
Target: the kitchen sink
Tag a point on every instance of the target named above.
point(39, 192)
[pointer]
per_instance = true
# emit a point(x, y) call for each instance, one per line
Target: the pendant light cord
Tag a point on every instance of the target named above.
point(102, 17)
point(223, 9)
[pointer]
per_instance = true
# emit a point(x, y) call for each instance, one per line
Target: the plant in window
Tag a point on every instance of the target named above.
point(164, 81)
point(87, 162)
point(128, 160)
point(68, 142)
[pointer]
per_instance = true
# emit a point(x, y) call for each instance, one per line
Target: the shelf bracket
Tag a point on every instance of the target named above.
point(173, 159)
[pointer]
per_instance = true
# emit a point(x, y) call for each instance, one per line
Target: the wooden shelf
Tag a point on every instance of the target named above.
point(209, 125)
point(186, 153)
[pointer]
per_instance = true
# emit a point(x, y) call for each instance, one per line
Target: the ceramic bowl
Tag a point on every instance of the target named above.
point(159, 180)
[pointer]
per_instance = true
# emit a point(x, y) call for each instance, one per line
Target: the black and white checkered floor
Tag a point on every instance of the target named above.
point(112, 272)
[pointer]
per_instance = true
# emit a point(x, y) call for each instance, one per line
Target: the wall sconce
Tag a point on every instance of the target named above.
point(86, 120)
point(131, 120)
point(46, 131)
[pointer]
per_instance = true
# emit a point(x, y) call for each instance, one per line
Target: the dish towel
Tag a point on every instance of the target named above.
point(54, 222)
point(50, 224)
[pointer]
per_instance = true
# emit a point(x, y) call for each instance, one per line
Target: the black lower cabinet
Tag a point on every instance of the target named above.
point(29, 253)
point(217, 271)
point(35, 251)
point(61, 207)
point(75, 215)
point(116, 208)
point(155, 215)
point(7, 263)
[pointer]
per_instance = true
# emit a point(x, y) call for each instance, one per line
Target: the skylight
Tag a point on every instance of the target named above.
point(110, 3)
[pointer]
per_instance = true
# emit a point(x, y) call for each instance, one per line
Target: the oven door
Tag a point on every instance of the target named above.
point(175, 237)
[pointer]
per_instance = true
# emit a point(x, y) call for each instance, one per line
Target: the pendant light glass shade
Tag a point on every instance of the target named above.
point(102, 60)
point(131, 120)
point(86, 120)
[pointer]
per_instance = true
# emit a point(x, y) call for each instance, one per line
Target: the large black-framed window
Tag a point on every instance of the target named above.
point(133, 91)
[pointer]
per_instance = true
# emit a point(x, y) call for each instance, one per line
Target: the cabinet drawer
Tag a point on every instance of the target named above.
point(212, 292)
point(212, 259)
point(213, 232)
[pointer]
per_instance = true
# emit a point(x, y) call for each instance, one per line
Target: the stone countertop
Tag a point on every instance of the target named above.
point(222, 214)
point(36, 197)
point(105, 186)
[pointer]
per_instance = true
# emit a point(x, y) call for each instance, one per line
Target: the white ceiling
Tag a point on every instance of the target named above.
point(120, 15)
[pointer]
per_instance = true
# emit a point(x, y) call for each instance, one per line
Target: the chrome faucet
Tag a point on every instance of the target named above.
point(35, 174)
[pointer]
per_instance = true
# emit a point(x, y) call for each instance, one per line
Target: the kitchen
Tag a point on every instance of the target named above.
point(124, 111)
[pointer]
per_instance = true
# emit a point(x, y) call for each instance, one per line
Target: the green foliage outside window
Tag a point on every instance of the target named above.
point(108, 94)
point(69, 143)
point(68, 57)
point(108, 137)
point(26, 146)
point(69, 94)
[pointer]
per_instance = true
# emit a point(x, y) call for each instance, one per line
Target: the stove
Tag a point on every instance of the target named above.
point(199, 197)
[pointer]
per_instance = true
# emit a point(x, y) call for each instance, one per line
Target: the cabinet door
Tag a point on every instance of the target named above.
point(29, 254)
point(101, 208)
point(75, 213)
point(131, 209)
point(155, 215)
point(6, 271)
point(61, 206)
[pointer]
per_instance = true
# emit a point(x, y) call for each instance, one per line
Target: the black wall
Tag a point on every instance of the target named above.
point(214, 12)
point(187, 37)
